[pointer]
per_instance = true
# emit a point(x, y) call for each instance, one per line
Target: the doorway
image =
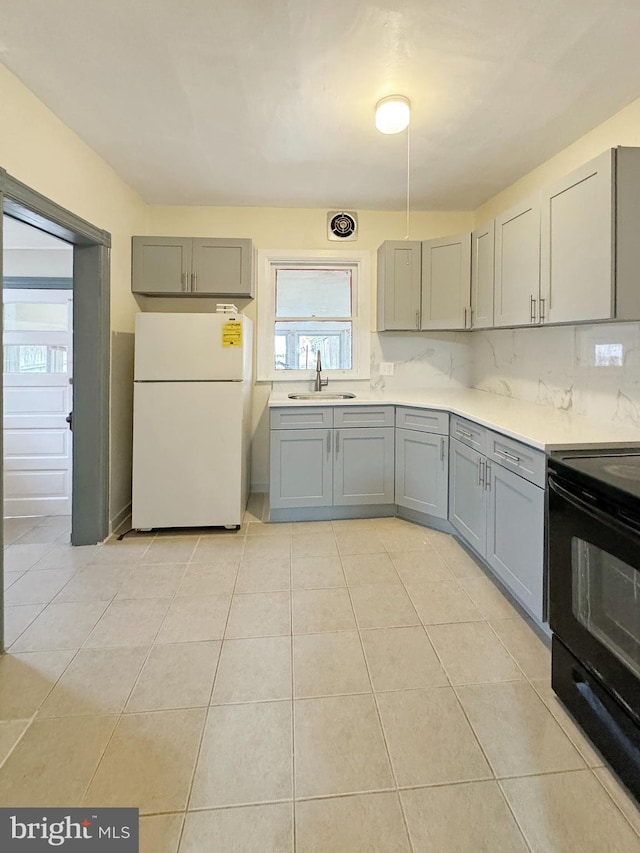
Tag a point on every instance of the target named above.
point(37, 372)
point(90, 360)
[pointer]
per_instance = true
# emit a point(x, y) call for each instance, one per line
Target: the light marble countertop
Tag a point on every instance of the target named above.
point(538, 426)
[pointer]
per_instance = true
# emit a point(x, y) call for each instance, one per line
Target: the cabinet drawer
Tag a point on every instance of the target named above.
point(301, 417)
point(423, 420)
point(363, 416)
point(468, 433)
point(520, 458)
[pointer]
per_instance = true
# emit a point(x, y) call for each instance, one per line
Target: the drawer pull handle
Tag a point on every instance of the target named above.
point(463, 432)
point(508, 456)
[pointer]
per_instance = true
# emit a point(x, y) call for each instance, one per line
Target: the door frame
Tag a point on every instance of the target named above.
point(91, 357)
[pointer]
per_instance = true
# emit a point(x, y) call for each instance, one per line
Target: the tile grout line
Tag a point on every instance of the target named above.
point(611, 797)
point(121, 714)
point(378, 714)
point(211, 692)
point(293, 705)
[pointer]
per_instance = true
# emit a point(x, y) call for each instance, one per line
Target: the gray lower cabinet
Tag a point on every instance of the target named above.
point(363, 466)
point(301, 468)
point(422, 471)
point(515, 535)
point(467, 495)
point(192, 266)
point(342, 466)
point(500, 513)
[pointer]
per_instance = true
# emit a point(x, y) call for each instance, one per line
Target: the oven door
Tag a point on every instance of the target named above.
point(594, 590)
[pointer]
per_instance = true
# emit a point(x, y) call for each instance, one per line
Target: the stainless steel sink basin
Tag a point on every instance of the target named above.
point(321, 395)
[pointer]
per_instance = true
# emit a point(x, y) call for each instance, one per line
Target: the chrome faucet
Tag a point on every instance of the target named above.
point(319, 383)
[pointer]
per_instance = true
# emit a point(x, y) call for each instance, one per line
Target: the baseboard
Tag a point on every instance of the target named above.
point(119, 519)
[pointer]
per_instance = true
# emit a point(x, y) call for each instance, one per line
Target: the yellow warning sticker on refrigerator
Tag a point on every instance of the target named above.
point(232, 334)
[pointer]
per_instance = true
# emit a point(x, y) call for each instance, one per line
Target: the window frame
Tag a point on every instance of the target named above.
point(269, 260)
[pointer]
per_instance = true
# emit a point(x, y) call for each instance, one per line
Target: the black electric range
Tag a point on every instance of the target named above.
point(594, 597)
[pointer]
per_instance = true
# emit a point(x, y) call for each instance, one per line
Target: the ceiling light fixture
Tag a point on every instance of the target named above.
point(393, 114)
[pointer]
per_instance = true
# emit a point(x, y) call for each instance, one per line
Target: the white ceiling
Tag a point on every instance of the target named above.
point(270, 102)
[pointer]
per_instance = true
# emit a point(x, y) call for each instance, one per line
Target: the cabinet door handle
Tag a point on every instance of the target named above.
point(542, 301)
point(481, 473)
point(508, 456)
point(487, 482)
point(183, 281)
point(194, 281)
point(533, 309)
point(465, 318)
point(417, 318)
point(328, 442)
point(337, 442)
point(442, 449)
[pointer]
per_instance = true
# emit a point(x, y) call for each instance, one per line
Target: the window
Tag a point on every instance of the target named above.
point(312, 302)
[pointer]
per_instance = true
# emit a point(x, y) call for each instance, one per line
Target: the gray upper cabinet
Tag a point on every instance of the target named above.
point(577, 245)
point(590, 250)
point(517, 265)
point(194, 266)
point(446, 282)
point(399, 265)
point(482, 276)
point(161, 265)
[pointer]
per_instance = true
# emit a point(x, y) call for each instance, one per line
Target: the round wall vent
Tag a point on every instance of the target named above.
point(342, 225)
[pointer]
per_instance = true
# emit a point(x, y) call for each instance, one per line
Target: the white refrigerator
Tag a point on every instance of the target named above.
point(191, 419)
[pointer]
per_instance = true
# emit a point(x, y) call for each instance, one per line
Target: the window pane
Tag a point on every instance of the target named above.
point(296, 345)
point(313, 293)
point(35, 316)
point(24, 358)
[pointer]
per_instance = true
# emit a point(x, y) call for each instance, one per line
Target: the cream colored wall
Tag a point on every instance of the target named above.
point(42, 152)
point(621, 129)
point(556, 366)
point(287, 228)
point(38, 149)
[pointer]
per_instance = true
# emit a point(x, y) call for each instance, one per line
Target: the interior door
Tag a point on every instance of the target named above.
point(37, 350)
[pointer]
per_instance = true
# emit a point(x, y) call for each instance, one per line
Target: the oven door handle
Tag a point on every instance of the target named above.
point(602, 517)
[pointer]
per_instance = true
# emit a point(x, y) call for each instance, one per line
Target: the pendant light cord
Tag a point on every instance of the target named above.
point(408, 175)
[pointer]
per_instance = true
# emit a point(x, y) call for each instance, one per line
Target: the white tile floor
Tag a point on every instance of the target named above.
point(336, 687)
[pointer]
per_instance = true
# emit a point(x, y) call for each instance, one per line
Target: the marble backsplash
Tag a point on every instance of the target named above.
point(422, 360)
point(591, 370)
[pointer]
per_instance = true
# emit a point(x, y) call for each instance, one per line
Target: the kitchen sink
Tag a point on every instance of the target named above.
point(321, 395)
